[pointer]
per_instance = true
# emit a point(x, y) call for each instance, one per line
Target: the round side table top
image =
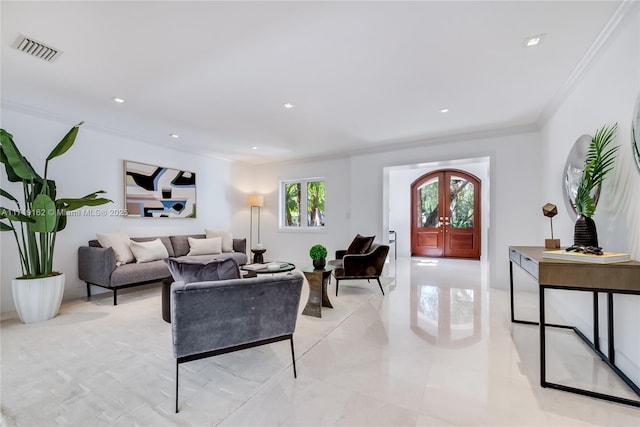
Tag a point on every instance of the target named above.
point(310, 269)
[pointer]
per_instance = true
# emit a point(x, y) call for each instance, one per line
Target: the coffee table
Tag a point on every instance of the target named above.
point(254, 269)
point(318, 280)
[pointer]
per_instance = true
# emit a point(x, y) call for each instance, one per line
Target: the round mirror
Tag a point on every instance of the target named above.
point(635, 133)
point(572, 173)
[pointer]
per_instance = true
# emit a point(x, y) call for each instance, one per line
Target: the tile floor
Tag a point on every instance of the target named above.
point(438, 349)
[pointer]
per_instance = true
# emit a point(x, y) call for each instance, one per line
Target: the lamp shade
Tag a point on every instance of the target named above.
point(255, 200)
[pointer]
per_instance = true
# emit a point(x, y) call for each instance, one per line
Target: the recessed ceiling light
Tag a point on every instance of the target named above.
point(174, 135)
point(444, 110)
point(288, 105)
point(118, 100)
point(254, 148)
point(533, 40)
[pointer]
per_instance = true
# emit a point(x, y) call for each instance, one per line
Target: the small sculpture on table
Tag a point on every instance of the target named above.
point(550, 210)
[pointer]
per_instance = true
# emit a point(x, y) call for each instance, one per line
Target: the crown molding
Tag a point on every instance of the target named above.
point(578, 72)
point(414, 142)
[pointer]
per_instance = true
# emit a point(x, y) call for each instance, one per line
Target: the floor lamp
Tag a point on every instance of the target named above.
point(254, 201)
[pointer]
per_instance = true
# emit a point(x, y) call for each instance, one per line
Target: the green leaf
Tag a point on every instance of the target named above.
point(598, 163)
point(5, 227)
point(88, 200)
point(44, 214)
point(14, 159)
point(50, 189)
point(62, 221)
point(8, 196)
point(14, 215)
point(66, 142)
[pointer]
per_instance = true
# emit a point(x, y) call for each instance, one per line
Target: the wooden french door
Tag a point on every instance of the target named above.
point(445, 215)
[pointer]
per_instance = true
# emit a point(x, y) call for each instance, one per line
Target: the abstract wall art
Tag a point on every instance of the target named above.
point(159, 192)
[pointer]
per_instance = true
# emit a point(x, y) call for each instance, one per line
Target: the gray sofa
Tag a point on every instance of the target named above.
point(217, 317)
point(97, 265)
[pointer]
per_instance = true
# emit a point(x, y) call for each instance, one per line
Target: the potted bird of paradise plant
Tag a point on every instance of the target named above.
point(35, 224)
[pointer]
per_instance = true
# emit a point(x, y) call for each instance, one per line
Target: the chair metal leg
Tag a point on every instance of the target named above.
point(380, 284)
point(293, 358)
point(337, 283)
point(177, 365)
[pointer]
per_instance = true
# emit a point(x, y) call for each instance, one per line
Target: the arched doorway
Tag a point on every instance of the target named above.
point(445, 215)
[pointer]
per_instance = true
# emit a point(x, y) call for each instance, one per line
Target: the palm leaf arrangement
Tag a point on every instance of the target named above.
point(597, 165)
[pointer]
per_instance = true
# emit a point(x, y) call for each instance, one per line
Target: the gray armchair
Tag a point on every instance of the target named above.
point(367, 265)
point(212, 318)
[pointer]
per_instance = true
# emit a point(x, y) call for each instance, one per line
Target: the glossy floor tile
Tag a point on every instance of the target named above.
point(438, 349)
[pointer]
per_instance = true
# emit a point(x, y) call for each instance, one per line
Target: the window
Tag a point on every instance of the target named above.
point(302, 203)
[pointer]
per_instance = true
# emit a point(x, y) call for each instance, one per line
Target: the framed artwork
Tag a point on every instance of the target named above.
point(158, 192)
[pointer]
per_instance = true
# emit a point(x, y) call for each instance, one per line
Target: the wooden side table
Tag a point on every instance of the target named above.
point(318, 298)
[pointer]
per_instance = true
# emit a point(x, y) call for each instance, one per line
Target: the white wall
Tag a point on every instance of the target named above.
point(515, 213)
point(95, 162)
point(355, 196)
point(293, 245)
point(606, 94)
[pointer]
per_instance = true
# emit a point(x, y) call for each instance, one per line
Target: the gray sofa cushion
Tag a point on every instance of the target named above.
point(239, 257)
point(145, 272)
point(181, 243)
point(190, 271)
point(166, 241)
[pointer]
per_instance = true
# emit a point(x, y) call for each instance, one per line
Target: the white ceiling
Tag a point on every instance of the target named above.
point(361, 74)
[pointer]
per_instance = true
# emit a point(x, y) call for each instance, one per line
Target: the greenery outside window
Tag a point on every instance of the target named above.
point(302, 203)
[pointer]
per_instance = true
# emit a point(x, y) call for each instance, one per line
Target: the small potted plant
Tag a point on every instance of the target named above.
point(318, 254)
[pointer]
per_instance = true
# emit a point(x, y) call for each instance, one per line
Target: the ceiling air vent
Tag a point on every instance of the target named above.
point(37, 49)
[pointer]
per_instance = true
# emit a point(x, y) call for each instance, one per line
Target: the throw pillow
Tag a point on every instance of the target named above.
point(190, 271)
point(227, 239)
point(120, 243)
point(149, 251)
point(360, 244)
point(205, 246)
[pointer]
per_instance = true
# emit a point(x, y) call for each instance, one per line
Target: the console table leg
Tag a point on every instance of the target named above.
point(511, 288)
point(596, 321)
point(612, 351)
point(543, 362)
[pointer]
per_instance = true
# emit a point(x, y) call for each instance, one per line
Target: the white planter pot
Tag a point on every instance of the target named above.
point(37, 300)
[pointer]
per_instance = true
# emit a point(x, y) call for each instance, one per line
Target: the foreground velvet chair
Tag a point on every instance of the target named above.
point(357, 266)
point(217, 317)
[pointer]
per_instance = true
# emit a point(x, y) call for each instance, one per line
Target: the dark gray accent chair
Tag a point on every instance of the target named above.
point(217, 317)
point(358, 266)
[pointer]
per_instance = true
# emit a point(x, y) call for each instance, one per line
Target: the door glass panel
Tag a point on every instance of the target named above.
point(428, 209)
point(461, 203)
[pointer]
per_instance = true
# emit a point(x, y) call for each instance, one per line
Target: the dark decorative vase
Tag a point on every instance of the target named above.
point(585, 233)
point(319, 264)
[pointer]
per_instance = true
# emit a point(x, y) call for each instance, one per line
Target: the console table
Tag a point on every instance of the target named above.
point(622, 278)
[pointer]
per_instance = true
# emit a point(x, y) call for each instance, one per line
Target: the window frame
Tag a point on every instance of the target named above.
point(304, 200)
